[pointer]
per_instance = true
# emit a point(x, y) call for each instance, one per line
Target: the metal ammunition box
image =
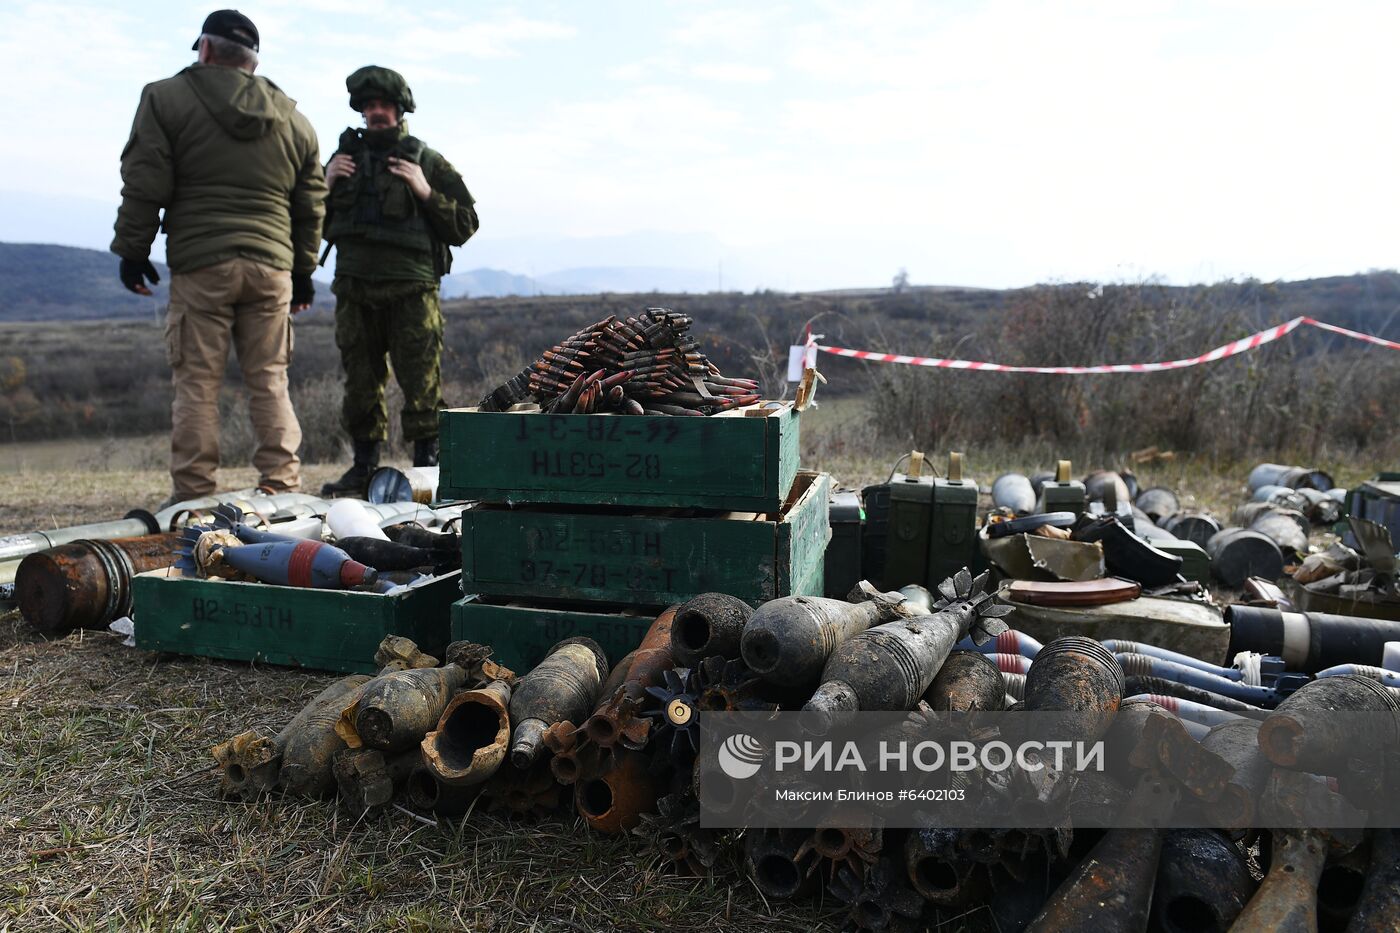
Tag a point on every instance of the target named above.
point(521, 633)
point(843, 553)
point(328, 630)
point(746, 459)
point(1376, 500)
point(1195, 562)
point(648, 557)
point(953, 533)
point(1063, 494)
point(907, 523)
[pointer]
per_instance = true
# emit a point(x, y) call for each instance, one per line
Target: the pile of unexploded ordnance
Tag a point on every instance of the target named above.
point(617, 743)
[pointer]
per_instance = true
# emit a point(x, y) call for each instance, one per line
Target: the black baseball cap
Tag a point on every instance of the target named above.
point(231, 25)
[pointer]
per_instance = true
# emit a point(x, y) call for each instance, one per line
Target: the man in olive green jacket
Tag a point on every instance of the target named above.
point(236, 170)
point(394, 210)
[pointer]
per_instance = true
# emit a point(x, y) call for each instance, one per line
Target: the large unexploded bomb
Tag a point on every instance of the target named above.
point(1286, 902)
point(310, 745)
point(889, 667)
point(709, 624)
point(1111, 890)
point(471, 737)
point(395, 709)
point(788, 640)
point(251, 763)
point(1203, 883)
point(564, 686)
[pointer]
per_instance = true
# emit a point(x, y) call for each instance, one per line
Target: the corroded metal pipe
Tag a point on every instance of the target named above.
point(87, 584)
point(471, 737)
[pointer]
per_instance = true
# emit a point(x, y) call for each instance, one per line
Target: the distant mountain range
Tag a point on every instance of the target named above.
point(43, 282)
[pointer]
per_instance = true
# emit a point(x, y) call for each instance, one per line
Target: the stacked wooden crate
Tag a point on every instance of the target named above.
point(592, 524)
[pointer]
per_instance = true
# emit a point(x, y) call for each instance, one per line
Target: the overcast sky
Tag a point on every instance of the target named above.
point(803, 145)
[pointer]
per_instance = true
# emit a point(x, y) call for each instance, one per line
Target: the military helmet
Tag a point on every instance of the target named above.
point(375, 83)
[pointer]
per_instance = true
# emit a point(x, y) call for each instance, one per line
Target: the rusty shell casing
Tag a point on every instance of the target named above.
point(1237, 743)
point(708, 625)
point(367, 780)
point(968, 680)
point(645, 664)
point(772, 862)
point(564, 686)
point(614, 801)
point(1111, 890)
point(788, 641)
point(397, 709)
point(310, 742)
point(940, 877)
point(1378, 908)
point(471, 737)
point(1302, 731)
point(1203, 882)
point(1286, 902)
point(422, 791)
point(1076, 674)
point(87, 583)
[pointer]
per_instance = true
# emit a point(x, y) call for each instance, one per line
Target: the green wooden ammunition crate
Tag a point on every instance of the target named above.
point(726, 461)
point(522, 633)
point(630, 556)
point(329, 630)
point(1195, 562)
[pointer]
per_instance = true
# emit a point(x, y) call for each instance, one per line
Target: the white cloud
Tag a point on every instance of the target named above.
point(732, 73)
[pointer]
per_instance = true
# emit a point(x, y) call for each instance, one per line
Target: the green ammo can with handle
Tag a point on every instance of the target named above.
point(1064, 494)
point(953, 532)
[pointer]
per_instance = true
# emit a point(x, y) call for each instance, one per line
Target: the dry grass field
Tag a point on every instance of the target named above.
point(109, 818)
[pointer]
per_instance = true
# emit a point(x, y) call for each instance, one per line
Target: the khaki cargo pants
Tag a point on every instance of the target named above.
point(247, 302)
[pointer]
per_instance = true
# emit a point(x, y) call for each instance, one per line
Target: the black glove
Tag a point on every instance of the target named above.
point(303, 289)
point(133, 273)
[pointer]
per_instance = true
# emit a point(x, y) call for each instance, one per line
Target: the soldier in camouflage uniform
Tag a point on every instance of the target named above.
point(395, 208)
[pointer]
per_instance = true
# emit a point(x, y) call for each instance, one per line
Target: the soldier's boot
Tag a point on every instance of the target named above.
point(355, 481)
point(425, 452)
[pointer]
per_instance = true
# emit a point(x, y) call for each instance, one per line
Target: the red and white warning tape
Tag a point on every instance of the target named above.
point(1219, 353)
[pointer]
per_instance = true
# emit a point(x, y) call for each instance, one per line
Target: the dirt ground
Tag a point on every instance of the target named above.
point(109, 818)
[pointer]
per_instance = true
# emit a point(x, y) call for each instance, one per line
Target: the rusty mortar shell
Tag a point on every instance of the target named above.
point(1203, 882)
point(251, 762)
point(423, 792)
point(1286, 901)
point(709, 624)
point(310, 741)
point(564, 686)
point(935, 871)
point(1111, 890)
point(87, 583)
point(367, 780)
point(614, 800)
point(395, 710)
point(644, 665)
point(1302, 731)
point(1237, 743)
point(787, 641)
point(771, 861)
point(471, 737)
point(1076, 674)
point(968, 680)
point(1378, 907)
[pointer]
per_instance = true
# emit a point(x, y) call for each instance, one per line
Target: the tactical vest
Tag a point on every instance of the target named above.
point(375, 205)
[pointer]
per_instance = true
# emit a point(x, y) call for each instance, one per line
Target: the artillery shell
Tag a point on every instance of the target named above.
point(1111, 890)
point(968, 680)
point(394, 711)
point(310, 741)
point(471, 737)
point(1237, 742)
point(1302, 731)
point(1378, 908)
point(367, 780)
point(707, 625)
point(1203, 883)
point(1287, 900)
point(1076, 674)
point(564, 686)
